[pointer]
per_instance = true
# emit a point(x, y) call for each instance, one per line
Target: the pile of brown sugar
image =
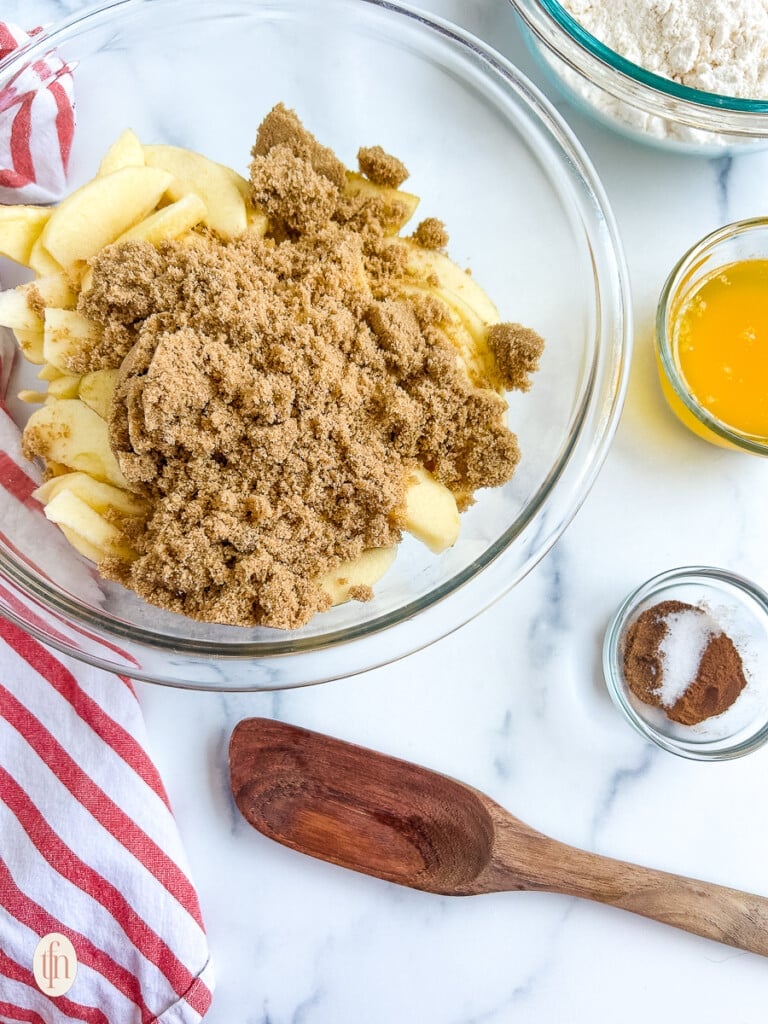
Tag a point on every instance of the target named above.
point(275, 392)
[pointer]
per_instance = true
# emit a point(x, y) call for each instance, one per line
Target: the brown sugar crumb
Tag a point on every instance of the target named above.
point(35, 301)
point(431, 234)
point(361, 593)
point(381, 167)
point(517, 351)
point(38, 441)
point(275, 394)
point(282, 127)
point(290, 191)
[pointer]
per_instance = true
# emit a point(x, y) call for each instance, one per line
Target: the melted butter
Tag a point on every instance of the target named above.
point(721, 345)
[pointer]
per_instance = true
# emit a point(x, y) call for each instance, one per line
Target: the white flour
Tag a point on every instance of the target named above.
point(717, 45)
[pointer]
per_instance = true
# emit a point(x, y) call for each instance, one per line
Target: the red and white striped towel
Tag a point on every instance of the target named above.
point(37, 123)
point(88, 845)
point(89, 848)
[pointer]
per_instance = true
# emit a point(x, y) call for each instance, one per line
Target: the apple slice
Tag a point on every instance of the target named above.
point(66, 386)
point(427, 263)
point(431, 515)
point(359, 572)
point(400, 206)
point(20, 227)
point(67, 509)
point(212, 182)
point(47, 371)
point(258, 222)
point(67, 335)
point(69, 432)
point(90, 551)
point(16, 312)
point(97, 389)
point(100, 496)
point(125, 151)
point(96, 214)
point(41, 261)
point(475, 357)
point(54, 290)
point(18, 306)
point(31, 344)
point(168, 221)
point(32, 397)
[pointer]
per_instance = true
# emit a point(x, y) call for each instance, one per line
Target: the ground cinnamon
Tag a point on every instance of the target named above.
point(717, 676)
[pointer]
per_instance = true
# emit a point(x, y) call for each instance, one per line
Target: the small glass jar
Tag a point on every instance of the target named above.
point(734, 243)
point(740, 608)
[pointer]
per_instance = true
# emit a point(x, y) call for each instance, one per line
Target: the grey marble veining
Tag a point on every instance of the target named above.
point(514, 704)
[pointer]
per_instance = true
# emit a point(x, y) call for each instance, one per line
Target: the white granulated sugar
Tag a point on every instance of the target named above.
point(688, 633)
point(720, 46)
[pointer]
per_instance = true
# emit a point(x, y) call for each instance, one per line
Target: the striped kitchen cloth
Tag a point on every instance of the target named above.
point(99, 920)
point(89, 849)
point(37, 124)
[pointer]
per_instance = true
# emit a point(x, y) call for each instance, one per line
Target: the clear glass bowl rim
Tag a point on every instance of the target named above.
point(669, 292)
point(554, 26)
point(614, 300)
point(612, 668)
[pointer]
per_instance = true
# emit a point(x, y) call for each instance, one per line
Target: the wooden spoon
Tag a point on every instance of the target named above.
point(395, 820)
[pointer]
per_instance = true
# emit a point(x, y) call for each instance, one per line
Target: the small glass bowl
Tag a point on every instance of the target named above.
point(741, 607)
point(636, 102)
point(742, 240)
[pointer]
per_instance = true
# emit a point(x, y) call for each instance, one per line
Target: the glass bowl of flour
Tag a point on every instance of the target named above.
point(690, 77)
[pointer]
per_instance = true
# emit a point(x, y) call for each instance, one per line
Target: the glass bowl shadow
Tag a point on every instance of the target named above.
point(525, 211)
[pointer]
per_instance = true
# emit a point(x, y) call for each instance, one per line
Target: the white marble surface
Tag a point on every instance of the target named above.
point(514, 703)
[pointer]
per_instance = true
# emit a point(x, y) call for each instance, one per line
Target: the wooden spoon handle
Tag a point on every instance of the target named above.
point(714, 911)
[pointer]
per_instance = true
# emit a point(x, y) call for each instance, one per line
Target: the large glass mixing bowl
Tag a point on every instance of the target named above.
point(525, 212)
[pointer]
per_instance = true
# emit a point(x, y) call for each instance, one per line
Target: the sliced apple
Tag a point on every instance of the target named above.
point(258, 222)
point(20, 227)
point(67, 335)
point(431, 515)
point(475, 357)
point(97, 389)
point(67, 509)
point(41, 261)
point(90, 551)
point(101, 497)
point(16, 312)
point(429, 263)
point(359, 572)
point(401, 206)
point(96, 214)
point(18, 306)
point(168, 222)
point(66, 386)
point(86, 281)
point(32, 397)
point(54, 290)
point(212, 182)
point(71, 433)
point(125, 151)
point(47, 371)
point(53, 468)
point(31, 344)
